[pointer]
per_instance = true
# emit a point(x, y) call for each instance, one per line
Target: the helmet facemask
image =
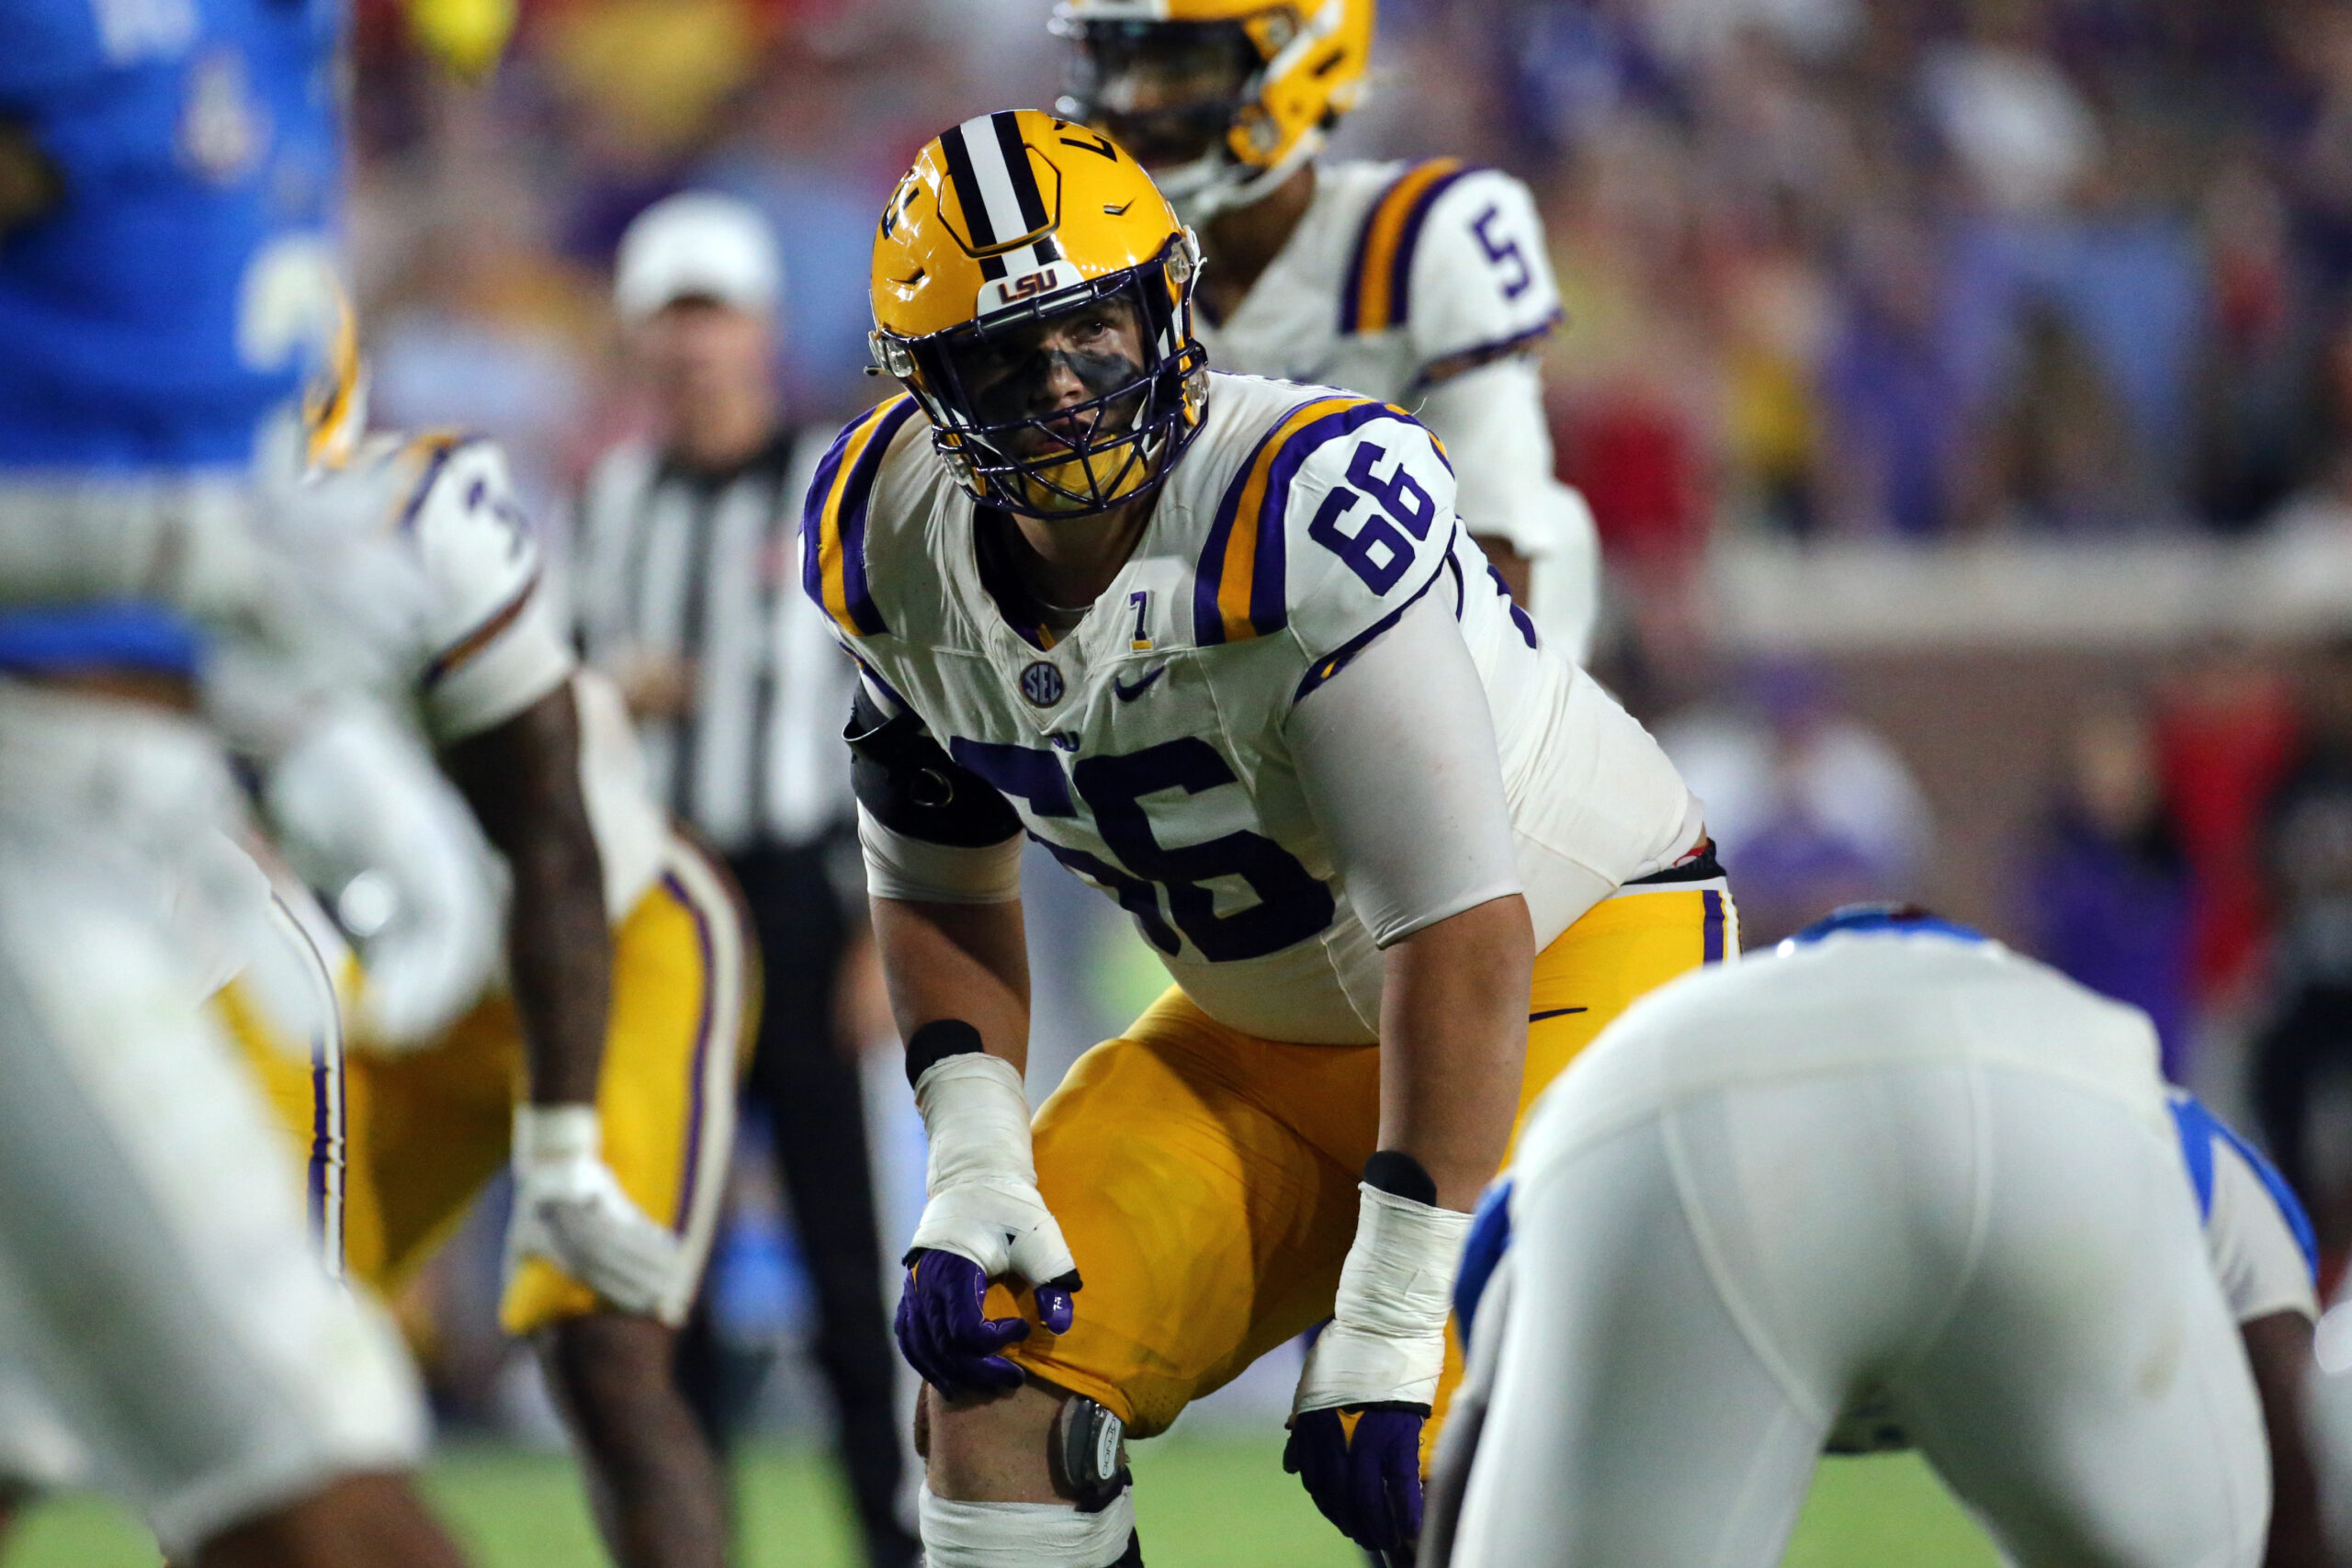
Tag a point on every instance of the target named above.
point(1124, 340)
point(1171, 94)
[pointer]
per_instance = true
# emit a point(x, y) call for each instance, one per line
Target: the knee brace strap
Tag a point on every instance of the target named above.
point(1027, 1535)
point(1086, 1454)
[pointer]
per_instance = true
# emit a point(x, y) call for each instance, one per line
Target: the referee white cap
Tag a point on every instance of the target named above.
point(698, 245)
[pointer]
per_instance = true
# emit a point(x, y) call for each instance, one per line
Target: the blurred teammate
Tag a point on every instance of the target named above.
point(166, 176)
point(1890, 1185)
point(1426, 283)
point(1221, 645)
point(606, 1069)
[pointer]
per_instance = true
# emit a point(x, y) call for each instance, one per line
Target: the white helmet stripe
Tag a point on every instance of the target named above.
point(1000, 198)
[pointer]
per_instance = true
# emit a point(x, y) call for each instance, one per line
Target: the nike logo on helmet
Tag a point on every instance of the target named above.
point(1127, 694)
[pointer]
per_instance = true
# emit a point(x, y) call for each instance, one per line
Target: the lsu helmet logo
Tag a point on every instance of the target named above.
point(1008, 292)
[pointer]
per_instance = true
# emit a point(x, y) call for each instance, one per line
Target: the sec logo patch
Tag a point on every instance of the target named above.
point(1041, 683)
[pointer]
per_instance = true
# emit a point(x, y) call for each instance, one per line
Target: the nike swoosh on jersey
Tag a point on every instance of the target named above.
point(1127, 694)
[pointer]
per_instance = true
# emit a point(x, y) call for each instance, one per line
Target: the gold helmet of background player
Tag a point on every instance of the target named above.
point(1221, 99)
point(1012, 230)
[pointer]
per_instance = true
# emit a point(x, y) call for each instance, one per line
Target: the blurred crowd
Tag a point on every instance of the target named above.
point(1834, 267)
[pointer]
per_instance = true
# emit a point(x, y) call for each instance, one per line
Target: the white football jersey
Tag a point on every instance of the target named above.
point(1397, 274)
point(493, 646)
point(1428, 285)
point(1145, 749)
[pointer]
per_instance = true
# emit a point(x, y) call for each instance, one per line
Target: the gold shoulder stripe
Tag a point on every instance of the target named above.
point(1239, 587)
point(833, 520)
point(1374, 298)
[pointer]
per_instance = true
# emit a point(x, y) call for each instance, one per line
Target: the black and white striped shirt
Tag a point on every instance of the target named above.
point(705, 567)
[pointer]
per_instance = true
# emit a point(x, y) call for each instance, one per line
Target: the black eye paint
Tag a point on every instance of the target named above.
point(1026, 390)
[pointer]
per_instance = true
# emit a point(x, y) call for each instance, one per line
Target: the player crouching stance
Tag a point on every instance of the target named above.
point(1222, 646)
point(1892, 1184)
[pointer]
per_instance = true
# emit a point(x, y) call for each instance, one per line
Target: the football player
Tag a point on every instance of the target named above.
point(604, 1070)
point(1221, 645)
point(166, 173)
point(1892, 1185)
point(1425, 283)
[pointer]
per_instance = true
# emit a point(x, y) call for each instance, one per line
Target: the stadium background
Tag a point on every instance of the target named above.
point(1963, 391)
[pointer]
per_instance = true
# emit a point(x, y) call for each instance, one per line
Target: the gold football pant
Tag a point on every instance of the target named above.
point(424, 1131)
point(1206, 1179)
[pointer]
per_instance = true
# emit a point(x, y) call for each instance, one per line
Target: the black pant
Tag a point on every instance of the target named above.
point(808, 1087)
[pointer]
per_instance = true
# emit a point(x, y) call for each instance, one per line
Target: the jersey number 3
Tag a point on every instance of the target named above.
point(1292, 905)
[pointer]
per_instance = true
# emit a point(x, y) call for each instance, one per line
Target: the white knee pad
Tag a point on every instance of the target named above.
point(1024, 1535)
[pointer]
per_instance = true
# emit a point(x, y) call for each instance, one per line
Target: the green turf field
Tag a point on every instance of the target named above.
point(1202, 1504)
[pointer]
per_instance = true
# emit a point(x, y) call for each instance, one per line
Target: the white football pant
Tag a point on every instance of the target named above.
point(2010, 1261)
point(160, 1300)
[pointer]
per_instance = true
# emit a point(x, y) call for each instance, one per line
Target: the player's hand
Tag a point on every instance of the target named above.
point(986, 1221)
point(1362, 1466)
point(944, 1331)
point(1355, 1433)
point(570, 1209)
point(974, 1231)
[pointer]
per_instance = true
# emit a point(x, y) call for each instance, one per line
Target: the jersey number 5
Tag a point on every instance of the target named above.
point(1505, 253)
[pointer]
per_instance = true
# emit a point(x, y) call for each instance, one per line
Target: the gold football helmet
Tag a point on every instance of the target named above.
point(1034, 291)
point(1221, 99)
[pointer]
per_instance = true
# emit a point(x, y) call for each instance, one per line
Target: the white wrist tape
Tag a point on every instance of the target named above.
point(977, 1120)
point(1387, 1342)
point(553, 1135)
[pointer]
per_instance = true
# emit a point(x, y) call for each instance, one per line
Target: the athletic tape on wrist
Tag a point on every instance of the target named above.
point(550, 1135)
point(977, 1120)
point(1387, 1342)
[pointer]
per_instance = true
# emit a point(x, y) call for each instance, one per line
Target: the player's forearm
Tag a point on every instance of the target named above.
point(1453, 1044)
point(522, 778)
point(2278, 1348)
point(559, 950)
point(957, 961)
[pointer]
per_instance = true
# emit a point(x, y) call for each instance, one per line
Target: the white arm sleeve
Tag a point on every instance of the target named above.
point(1491, 420)
point(1397, 755)
point(897, 866)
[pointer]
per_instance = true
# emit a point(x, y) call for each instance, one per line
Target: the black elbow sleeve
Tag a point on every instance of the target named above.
point(909, 784)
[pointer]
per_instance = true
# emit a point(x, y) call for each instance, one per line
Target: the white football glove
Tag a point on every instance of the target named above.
point(570, 1209)
point(982, 1177)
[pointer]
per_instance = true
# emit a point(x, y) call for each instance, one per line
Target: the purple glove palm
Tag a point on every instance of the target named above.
point(946, 1340)
point(1369, 1485)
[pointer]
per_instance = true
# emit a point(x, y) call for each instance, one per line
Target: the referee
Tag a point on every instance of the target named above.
point(687, 583)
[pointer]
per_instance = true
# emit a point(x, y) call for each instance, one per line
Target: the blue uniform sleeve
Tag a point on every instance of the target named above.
point(1489, 1239)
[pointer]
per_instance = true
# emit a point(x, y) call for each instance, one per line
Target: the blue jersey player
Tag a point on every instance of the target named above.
point(167, 178)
